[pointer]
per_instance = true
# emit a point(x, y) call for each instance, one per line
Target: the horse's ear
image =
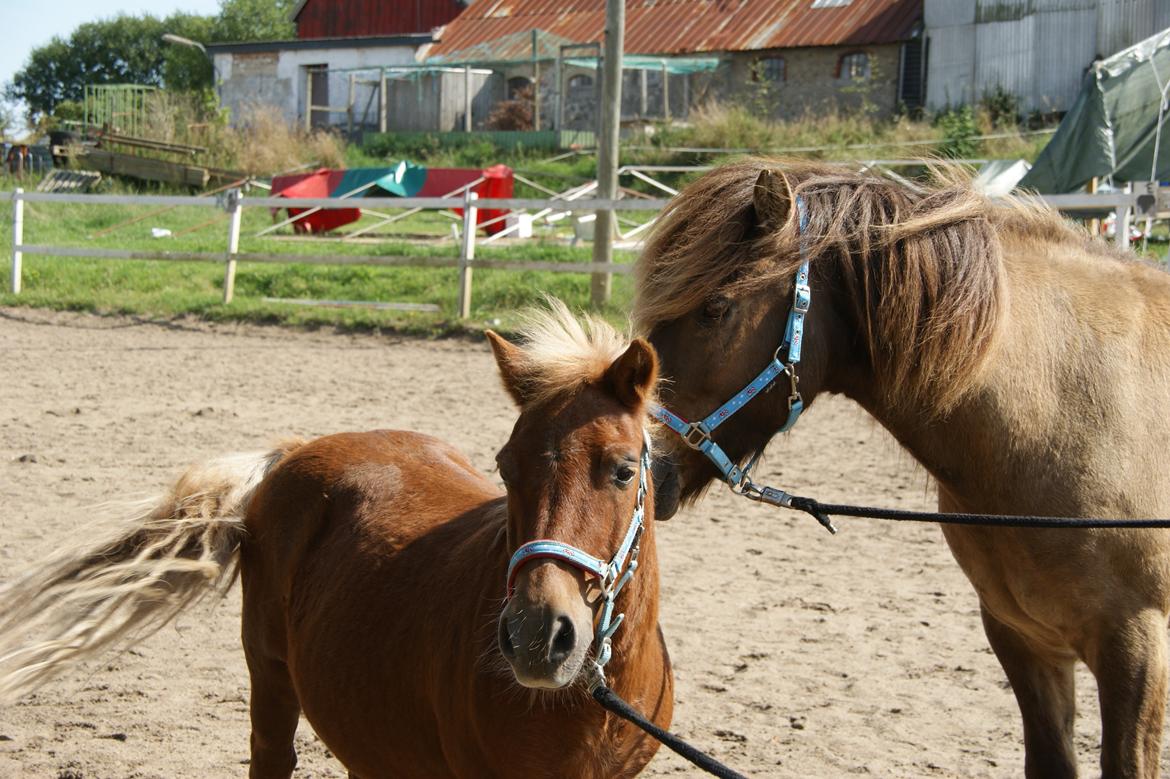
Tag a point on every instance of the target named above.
point(772, 197)
point(633, 375)
point(511, 361)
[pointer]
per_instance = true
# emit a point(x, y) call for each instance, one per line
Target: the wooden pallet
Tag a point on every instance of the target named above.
point(59, 180)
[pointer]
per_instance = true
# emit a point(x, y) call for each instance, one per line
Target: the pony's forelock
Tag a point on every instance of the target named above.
point(563, 352)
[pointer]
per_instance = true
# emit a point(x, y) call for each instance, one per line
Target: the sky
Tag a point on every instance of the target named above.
point(31, 24)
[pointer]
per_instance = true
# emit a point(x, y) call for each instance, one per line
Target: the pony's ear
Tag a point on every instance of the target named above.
point(512, 362)
point(772, 197)
point(633, 375)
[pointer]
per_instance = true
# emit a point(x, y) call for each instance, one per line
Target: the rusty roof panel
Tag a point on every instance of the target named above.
point(690, 26)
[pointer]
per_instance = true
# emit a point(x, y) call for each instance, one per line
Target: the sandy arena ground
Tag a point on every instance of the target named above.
point(796, 653)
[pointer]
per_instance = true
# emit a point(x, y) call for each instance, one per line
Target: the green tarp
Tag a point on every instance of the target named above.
point(1110, 129)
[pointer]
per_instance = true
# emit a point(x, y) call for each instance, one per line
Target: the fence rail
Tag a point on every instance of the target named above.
point(1124, 204)
point(234, 202)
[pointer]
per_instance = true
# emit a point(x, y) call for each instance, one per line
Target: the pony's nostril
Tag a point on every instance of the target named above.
point(505, 639)
point(564, 640)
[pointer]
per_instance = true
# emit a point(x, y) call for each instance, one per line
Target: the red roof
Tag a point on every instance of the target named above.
point(691, 26)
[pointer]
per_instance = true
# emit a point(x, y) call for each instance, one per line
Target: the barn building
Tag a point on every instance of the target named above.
point(1035, 50)
point(787, 56)
point(334, 37)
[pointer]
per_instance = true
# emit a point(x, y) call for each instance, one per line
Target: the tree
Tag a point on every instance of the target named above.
point(130, 50)
point(254, 20)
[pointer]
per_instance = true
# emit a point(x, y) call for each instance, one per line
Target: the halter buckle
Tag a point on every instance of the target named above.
point(801, 298)
point(696, 436)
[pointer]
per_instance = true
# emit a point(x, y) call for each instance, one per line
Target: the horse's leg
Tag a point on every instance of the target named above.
point(275, 713)
point(1044, 690)
point(1128, 657)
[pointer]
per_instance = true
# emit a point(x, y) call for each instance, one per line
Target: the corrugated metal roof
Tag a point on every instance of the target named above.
point(689, 26)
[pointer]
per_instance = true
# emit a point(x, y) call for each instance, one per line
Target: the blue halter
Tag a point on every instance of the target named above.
point(698, 434)
point(612, 576)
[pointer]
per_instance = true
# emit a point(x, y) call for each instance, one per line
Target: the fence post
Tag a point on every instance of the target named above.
point(1121, 223)
point(308, 100)
point(17, 237)
point(383, 111)
point(235, 207)
point(467, 253)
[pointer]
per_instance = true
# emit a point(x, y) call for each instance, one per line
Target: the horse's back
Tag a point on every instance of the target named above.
point(416, 480)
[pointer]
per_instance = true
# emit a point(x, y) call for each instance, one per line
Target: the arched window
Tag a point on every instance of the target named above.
point(580, 81)
point(772, 69)
point(853, 66)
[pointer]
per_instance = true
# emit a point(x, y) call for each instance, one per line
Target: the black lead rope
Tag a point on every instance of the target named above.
point(612, 702)
point(823, 511)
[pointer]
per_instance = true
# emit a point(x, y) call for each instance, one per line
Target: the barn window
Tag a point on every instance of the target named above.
point(853, 66)
point(771, 69)
point(580, 81)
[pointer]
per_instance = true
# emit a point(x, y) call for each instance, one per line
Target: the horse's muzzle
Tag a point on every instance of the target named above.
point(544, 646)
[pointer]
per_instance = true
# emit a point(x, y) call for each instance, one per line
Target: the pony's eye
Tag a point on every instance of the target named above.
point(714, 310)
point(623, 475)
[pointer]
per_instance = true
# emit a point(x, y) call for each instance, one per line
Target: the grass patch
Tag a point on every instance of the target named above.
point(168, 289)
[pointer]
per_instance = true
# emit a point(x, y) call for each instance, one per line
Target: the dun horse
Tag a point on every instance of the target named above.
point(374, 573)
point(1023, 364)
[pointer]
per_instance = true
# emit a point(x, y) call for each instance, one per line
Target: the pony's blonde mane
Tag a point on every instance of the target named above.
point(922, 270)
point(563, 352)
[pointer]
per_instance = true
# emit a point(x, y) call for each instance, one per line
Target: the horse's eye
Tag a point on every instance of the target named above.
point(623, 475)
point(714, 310)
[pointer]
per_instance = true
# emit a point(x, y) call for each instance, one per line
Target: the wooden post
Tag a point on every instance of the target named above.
point(17, 238)
point(1121, 222)
point(467, 252)
point(642, 108)
point(235, 207)
point(607, 145)
point(559, 78)
point(349, 104)
point(466, 98)
point(383, 109)
point(1094, 223)
point(308, 100)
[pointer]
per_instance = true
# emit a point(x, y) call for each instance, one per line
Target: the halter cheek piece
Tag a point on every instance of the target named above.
point(612, 576)
point(698, 434)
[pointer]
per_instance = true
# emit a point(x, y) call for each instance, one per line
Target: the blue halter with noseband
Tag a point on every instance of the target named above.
point(612, 575)
point(698, 434)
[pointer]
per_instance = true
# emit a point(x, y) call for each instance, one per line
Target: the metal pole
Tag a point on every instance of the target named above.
point(467, 254)
point(17, 238)
point(607, 145)
point(665, 93)
point(235, 207)
point(466, 98)
point(535, 83)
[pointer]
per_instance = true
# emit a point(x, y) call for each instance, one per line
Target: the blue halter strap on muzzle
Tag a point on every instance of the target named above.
point(698, 434)
point(612, 576)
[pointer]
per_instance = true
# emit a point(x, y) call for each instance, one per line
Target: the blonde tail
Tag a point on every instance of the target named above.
point(178, 549)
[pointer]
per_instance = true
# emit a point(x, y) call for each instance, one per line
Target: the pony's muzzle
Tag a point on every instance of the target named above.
point(544, 645)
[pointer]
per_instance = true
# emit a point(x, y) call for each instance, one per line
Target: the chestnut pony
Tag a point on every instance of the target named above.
point(1023, 364)
point(374, 573)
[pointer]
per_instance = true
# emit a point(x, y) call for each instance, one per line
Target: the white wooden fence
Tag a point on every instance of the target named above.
point(1124, 204)
point(234, 203)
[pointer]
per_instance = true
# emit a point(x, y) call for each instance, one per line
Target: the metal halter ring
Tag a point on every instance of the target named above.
point(696, 435)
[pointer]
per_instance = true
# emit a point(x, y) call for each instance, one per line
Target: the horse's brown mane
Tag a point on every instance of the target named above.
point(923, 270)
